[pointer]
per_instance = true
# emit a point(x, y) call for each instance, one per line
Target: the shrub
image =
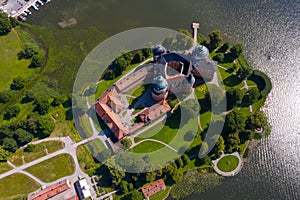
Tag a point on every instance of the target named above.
point(11, 112)
point(29, 148)
point(126, 143)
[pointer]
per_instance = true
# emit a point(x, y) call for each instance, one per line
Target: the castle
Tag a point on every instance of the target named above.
point(171, 72)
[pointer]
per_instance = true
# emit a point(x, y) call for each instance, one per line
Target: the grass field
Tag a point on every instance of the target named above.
point(228, 163)
point(39, 151)
point(86, 160)
point(4, 167)
point(16, 186)
point(53, 168)
point(147, 147)
point(10, 46)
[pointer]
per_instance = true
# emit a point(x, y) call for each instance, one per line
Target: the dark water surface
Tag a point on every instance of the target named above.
point(266, 28)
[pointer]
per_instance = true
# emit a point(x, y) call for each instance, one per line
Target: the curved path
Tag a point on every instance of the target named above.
point(233, 172)
point(154, 140)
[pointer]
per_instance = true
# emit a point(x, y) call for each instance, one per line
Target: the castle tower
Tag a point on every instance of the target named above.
point(158, 51)
point(159, 88)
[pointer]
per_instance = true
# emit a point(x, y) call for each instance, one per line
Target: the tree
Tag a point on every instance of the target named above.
point(203, 149)
point(236, 50)
point(45, 126)
point(4, 96)
point(168, 42)
point(13, 21)
point(10, 144)
point(224, 47)
point(5, 25)
point(147, 52)
point(23, 137)
point(126, 143)
point(18, 83)
point(29, 97)
point(57, 101)
point(232, 141)
point(3, 155)
point(42, 106)
point(136, 195)
point(215, 96)
point(256, 120)
point(29, 148)
point(215, 38)
point(244, 72)
point(246, 135)
point(189, 136)
point(29, 50)
point(234, 98)
point(179, 163)
point(206, 160)
point(190, 109)
point(130, 187)
point(235, 121)
point(150, 176)
point(253, 94)
point(128, 57)
point(138, 57)
point(176, 176)
point(36, 60)
point(219, 146)
point(219, 57)
point(11, 112)
point(117, 176)
point(124, 186)
point(186, 160)
point(105, 154)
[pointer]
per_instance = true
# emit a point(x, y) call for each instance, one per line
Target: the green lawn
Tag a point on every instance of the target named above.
point(161, 195)
point(95, 146)
point(4, 167)
point(53, 168)
point(147, 147)
point(16, 186)
point(10, 46)
point(228, 163)
point(85, 125)
point(39, 151)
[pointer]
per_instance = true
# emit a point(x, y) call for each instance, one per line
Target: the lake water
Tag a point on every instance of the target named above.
point(266, 28)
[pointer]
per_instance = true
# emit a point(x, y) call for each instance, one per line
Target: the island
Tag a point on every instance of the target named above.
point(160, 103)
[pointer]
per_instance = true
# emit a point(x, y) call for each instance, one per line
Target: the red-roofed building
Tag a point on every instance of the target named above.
point(51, 191)
point(153, 188)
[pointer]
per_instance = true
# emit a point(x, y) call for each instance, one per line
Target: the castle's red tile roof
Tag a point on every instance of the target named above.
point(51, 191)
point(131, 79)
point(153, 188)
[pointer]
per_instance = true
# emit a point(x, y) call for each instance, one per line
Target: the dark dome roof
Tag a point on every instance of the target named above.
point(200, 51)
point(159, 50)
point(159, 83)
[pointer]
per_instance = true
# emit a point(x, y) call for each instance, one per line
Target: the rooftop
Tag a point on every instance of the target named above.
point(51, 191)
point(153, 188)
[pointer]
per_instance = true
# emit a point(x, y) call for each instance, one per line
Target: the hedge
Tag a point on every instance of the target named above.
point(263, 82)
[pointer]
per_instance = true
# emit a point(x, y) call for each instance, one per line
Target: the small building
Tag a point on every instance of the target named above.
point(83, 189)
point(153, 188)
point(51, 191)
